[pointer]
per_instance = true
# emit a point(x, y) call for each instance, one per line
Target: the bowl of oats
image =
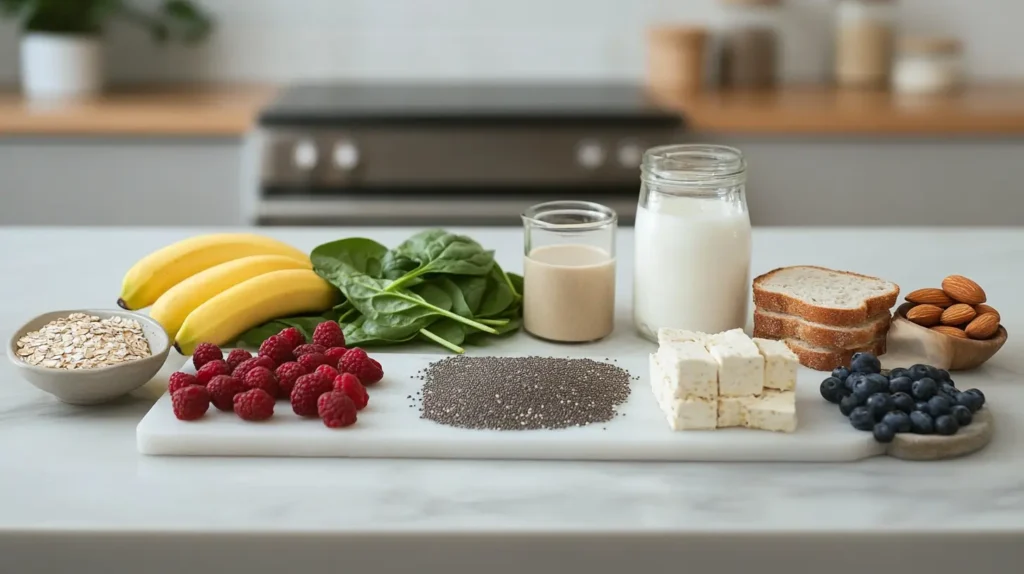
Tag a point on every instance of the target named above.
point(90, 356)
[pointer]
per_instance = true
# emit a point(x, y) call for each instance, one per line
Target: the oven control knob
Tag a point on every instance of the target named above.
point(346, 156)
point(305, 155)
point(630, 154)
point(590, 154)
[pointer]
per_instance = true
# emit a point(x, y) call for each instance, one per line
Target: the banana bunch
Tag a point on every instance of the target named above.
point(211, 288)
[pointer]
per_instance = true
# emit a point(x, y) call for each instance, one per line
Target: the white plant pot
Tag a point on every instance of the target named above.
point(61, 67)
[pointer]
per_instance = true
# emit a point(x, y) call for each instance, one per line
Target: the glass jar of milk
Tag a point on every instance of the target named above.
point(692, 240)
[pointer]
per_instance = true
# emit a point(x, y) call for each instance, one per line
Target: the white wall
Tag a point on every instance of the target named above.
point(274, 40)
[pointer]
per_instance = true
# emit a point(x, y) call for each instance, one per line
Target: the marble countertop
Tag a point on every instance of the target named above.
point(72, 474)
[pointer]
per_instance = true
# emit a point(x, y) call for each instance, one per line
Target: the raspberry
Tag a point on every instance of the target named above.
point(327, 371)
point(190, 403)
point(329, 335)
point(293, 336)
point(246, 366)
point(262, 378)
point(348, 383)
point(278, 349)
point(306, 349)
point(237, 357)
point(359, 364)
point(210, 370)
point(204, 353)
point(334, 355)
point(306, 392)
point(312, 360)
point(254, 405)
point(179, 380)
point(336, 409)
point(286, 375)
point(223, 389)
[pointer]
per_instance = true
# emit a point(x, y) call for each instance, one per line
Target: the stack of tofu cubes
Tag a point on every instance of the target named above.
point(724, 380)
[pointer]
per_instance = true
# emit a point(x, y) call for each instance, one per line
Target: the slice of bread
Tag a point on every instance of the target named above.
point(826, 358)
point(772, 325)
point(837, 298)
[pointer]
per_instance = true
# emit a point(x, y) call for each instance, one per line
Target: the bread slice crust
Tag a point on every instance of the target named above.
point(771, 325)
point(835, 316)
point(826, 359)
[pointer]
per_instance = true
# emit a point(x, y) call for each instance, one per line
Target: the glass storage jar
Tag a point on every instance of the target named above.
point(864, 42)
point(692, 241)
point(749, 50)
point(569, 271)
point(928, 66)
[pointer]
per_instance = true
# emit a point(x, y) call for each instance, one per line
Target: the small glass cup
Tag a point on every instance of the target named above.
point(569, 271)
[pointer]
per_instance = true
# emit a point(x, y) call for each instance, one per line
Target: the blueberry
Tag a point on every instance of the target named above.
point(962, 415)
point(852, 379)
point(847, 405)
point(898, 372)
point(841, 373)
point(978, 393)
point(883, 432)
point(903, 402)
point(879, 404)
point(865, 363)
point(881, 383)
point(864, 389)
point(969, 400)
point(921, 423)
point(918, 372)
point(921, 406)
point(831, 390)
point(899, 421)
point(946, 425)
point(901, 385)
point(943, 375)
point(862, 419)
point(938, 406)
point(924, 389)
point(949, 389)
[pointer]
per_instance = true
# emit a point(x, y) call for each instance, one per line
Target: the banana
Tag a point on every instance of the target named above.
point(227, 315)
point(157, 272)
point(177, 302)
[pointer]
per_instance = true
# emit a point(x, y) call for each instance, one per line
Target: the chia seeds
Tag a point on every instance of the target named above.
point(521, 393)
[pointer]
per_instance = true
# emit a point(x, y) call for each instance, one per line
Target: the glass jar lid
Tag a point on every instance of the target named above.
point(694, 166)
point(570, 216)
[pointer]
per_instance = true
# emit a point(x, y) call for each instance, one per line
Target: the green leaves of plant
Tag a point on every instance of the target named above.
point(180, 20)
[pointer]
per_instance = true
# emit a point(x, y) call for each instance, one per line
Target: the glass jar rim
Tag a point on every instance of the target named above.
point(593, 215)
point(694, 164)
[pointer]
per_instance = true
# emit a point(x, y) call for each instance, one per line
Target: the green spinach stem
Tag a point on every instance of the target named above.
point(495, 322)
point(450, 346)
point(449, 314)
point(345, 315)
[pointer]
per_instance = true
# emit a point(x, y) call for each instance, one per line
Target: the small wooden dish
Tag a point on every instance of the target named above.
point(938, 350)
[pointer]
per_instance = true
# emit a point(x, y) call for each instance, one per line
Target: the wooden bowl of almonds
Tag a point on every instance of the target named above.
point(954, 328)
point(90, 356)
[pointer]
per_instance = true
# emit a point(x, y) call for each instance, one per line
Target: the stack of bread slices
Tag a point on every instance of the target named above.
point(824, 316)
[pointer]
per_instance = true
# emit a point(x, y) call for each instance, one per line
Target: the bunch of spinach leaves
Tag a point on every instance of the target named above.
point(436, 286)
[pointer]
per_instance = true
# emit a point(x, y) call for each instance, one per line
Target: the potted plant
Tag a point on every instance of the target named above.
point(61, 55)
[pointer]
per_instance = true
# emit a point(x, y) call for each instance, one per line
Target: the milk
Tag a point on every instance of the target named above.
point(569, 293)
point(692, 265)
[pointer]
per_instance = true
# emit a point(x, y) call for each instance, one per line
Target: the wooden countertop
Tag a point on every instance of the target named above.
point(163, 112)
point(789, 111)
point(976, 110)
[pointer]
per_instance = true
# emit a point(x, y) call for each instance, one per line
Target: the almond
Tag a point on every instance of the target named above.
point(925, 315)
point(958, 314)
point(951, 331)
point(963, 290)
point(983, 326)
point(930, 296)
point(983, 309)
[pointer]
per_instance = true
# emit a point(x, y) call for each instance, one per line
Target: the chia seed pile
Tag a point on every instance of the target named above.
point(520, 393)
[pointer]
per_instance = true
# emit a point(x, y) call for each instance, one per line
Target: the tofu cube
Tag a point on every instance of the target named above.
point(690, 370)
point(780, 364)
point(668, 336)
point(772, 411)
point(691, 414)
point(740, 364)
point(732, 412)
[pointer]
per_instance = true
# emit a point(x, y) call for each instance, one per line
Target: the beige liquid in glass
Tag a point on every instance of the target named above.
point(569, 293)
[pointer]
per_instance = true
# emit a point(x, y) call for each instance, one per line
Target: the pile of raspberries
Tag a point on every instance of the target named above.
point(321, 379)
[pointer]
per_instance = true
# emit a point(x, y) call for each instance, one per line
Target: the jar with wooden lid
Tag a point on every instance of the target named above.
point(864, 42)
point(928, 65)
point(749, 45)
point(676, 57)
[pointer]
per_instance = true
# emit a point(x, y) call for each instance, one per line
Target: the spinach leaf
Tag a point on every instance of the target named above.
point(498, 294)
point(516, 282)
point(437, 251)
point(447, 333)
point(346, 257)
point(472, 288)
point(356, 334)
point(459, 305)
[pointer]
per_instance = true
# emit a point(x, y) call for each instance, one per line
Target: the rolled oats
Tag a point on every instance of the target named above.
point(81, 341)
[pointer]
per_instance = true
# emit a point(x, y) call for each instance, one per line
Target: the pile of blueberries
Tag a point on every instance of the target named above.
point(919, 400)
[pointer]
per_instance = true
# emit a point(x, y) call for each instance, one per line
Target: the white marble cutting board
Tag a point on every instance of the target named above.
point(390, 428)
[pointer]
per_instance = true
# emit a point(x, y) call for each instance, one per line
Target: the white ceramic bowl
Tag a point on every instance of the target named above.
point(93, 386)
